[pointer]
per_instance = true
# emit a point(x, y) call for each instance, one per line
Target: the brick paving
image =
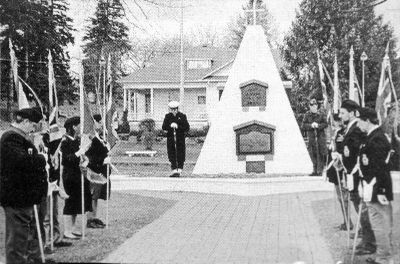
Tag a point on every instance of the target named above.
point(215, 228)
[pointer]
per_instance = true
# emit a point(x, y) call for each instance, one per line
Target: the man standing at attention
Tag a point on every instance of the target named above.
point(176, 125)
point(378, 189)
point(314, 123)
point(23, 184)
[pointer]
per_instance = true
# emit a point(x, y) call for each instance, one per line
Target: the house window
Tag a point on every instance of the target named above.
point(201, 99)
point(198, 64)
point(147, 102)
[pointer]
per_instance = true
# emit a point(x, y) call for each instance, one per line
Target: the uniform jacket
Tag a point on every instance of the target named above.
point(70, 162)
point(319, 118)
point(352, 141)
point(183, 126)
point(96, 154)
point(338, 146)
point(373, 156)
point(23, 178)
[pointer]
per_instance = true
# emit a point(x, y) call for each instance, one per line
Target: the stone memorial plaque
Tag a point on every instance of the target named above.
point(254, 138)
point(254, 94)
point(255, 142)
point(255, 166)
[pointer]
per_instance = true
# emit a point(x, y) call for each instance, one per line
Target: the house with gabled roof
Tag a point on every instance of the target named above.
point(147, 91)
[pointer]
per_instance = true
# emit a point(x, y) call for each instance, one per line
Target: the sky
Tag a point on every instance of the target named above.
point(199, 15)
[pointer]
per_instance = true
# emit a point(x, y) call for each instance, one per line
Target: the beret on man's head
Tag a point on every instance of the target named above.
point(367, 113)
point(173, 104)
point(73, 121)
point(350, 105)
point(32, 114)
point(97, 117)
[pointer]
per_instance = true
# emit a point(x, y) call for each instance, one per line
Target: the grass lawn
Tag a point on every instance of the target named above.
point(128, 213)
point(329, 216)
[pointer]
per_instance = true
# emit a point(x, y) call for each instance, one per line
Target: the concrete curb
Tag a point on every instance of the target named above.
point(242, 187)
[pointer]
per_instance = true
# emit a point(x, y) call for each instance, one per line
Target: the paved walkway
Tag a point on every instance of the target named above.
point(214, 228)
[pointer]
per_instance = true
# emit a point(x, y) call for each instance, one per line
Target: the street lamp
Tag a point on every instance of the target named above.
point(363, 58)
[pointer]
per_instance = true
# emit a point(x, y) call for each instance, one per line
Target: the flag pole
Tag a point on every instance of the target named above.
point(82, 118)
point(395, 124)
point(364, 57)
point(351, 74)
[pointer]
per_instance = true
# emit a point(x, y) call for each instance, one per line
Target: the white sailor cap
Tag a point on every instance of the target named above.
point(173, 104)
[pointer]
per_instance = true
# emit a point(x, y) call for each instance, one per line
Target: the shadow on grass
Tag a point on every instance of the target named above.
point(329, 217)
point(128, 213)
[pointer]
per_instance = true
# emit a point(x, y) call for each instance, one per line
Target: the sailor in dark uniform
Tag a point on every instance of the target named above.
point(176, 125)
point(314, 123)
point(23, 183)
point(377, 184)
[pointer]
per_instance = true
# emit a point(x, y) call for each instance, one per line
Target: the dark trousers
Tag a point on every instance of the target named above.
point(368, 238)
point(56, 225)
point(176, 157)
point(22, 244)
point(382, 223)
point(317, 156)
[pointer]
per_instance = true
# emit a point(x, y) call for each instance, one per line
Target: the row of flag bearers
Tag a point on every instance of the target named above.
point(35, 172)
point(358, 163)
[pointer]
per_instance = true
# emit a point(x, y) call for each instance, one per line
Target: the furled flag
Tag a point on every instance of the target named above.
point(87, 121)
point(384, 96)
point(322, 80)
point(23, 89)
point(112, 136)
point(336, 91)
point(22, 99)
point(53, 102)
point(355, 93)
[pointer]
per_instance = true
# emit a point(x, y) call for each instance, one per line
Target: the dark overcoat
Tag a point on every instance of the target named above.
point(373, 155)
point(315, 135)
point(183, 127)
point(71, 175)
point(23, 178)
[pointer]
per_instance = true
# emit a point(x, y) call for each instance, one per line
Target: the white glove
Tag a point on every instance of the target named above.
point(174, 125)
point(52, 186)
point(335, 155)
point(83, 149)
point(107, 160)
point(314, 125)
point(382, 199)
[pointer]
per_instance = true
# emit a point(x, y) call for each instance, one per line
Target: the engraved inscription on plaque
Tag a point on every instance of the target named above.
point(255, 166)
point(254, 137)
point(255, 142)
point(254, 93)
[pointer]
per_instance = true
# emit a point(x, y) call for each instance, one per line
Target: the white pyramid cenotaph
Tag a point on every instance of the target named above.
point(254, 130)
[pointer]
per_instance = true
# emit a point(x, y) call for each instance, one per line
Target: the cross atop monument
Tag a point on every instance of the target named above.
point(254, 10)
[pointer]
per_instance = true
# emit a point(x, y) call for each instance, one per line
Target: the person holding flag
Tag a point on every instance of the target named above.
point(71, 151)
point(352, 140)
point(378, 186)
point(23, 185)
point(97, 169)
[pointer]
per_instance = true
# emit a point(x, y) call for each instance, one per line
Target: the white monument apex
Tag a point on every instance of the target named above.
point(254, 129)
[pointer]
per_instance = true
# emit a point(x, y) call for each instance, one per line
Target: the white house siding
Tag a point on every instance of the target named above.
point(192, 108)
